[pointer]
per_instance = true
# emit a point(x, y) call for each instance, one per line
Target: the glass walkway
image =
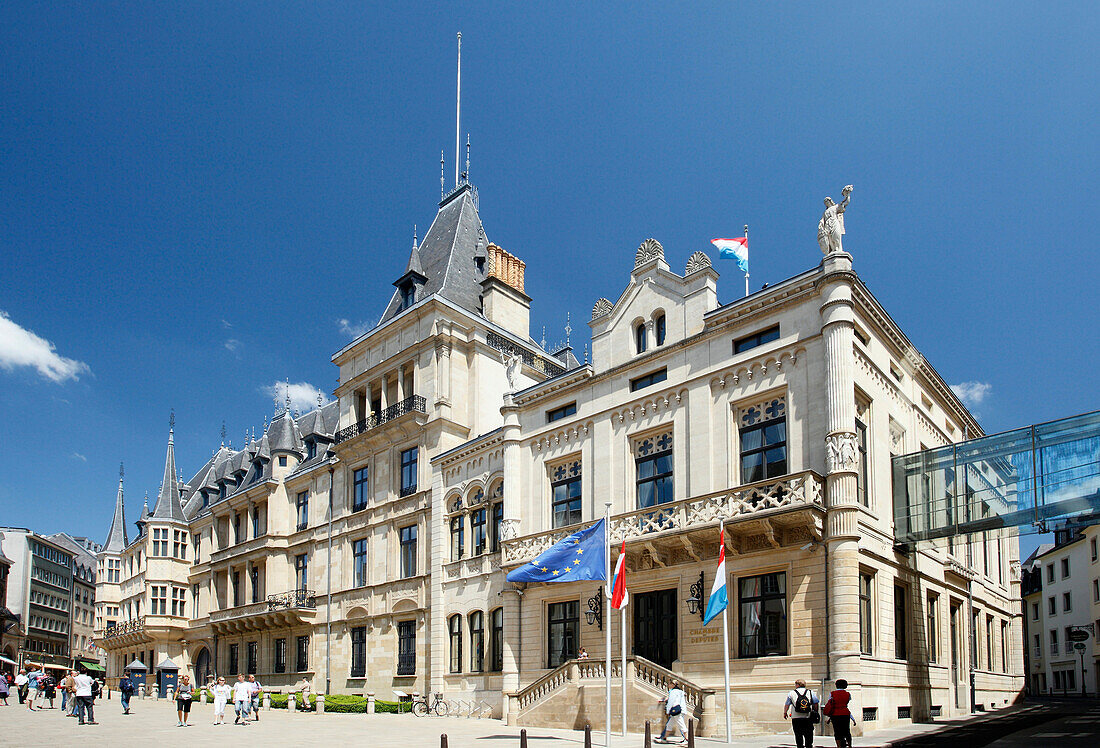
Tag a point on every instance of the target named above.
point(1028, 476)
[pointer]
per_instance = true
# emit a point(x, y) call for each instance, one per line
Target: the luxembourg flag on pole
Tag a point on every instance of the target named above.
point(734, 249)
point(618, 590)
point(718, 598)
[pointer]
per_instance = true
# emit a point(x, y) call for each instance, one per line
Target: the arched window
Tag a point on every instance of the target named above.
point(477, 642)
point(455, 628)
point(659, 329)
point(640, 338)
point(458, 537)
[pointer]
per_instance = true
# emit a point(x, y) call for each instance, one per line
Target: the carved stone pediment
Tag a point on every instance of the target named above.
point(650, 249)
point(601, 308)
point(698, 261)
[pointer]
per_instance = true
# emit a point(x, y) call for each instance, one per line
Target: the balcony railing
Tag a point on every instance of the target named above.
point(795, 491)
point(292, 599)
point(126, 627)
point(412, 404)
point(538, 363)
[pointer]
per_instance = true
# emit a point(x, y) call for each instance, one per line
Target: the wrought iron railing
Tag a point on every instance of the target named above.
point(292, 599)
point(411, 404)
point(504, 345)
point(125, 627)
point(406, 663)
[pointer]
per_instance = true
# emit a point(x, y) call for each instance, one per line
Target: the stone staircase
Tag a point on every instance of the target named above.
point(574, 694)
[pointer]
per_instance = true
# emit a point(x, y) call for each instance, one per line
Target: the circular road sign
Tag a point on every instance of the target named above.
point(1079, 647)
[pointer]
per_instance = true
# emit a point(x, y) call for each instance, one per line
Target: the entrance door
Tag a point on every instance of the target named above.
point(202, 667)
point(955, 657)
point(655, 626)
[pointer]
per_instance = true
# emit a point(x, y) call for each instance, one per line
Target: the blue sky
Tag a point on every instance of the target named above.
point(198, 202)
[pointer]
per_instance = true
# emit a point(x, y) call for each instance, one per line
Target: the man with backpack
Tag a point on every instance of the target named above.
point(126, 690)
point(801, 706)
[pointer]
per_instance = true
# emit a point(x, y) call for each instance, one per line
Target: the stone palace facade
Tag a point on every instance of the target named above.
point(363, 546)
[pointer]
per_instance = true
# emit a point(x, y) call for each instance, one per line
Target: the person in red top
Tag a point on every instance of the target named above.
point(837, 711)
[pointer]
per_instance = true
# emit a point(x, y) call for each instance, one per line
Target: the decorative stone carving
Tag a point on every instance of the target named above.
point(697, 262)
point(841, 452)
point(509, 528)
point(601, 308)
point(650, 249)
point(830, 228)
point(766, 410)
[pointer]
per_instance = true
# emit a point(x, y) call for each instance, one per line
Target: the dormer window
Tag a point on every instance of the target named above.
point(257, 470)
point(221, 490)
point(408, 294)
point(659, 329)
point(479, 263)
point(641, 338)
point(311, 449)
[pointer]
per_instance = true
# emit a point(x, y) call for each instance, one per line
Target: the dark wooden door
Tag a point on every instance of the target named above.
point(655, 626)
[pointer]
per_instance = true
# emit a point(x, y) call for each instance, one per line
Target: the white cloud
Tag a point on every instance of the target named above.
point(227, 325)
point(303, 395)
point(232, 344)
point(353, 329)
point(78, 456)
point(21, 347)
point(972, 393)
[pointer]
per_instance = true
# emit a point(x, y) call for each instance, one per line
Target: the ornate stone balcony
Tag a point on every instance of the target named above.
point(411, 404)
point(767, 514)
point(247, 546)
point(283, 609)
point(123, 634)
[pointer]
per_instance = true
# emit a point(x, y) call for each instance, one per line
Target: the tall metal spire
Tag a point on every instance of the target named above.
point(117, 538)
point(568, 330)
point(168, 502)
point(466, 174)
point(458, 107)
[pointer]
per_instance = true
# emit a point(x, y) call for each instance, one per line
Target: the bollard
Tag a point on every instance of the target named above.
point(291, 703)
point(443, 740)
point(522, 739)
point(587, 735)
point(370, 702)
point(691, 733)
point(267, 702)
point(648, 736)
point(320, 703)
point(204, 695)
point(170, 694)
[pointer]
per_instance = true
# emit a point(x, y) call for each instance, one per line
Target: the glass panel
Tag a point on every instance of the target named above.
point(751, 439)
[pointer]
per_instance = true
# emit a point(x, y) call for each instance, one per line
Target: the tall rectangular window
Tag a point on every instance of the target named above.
point(237, 536)
point(454, 628)
point(861, 465)
point(359, 561)
point(360, 489)
point(989, 632)
point(477, 642)
point(303, 654)
point(653, 470)
point(1067, 602)
point(256, 522)
point(866, 641)
point(179, 602)
point(1065, 568)
point(496, 640)
point(303, 509)
point(458, 536)
point(933, 626)
point(234, 658)
point(496, 524)
point(179, 544)
point(478, 536)
point(763, 615)
point(160, 541)
point(1004, 646)
point(359, 652)
point(406, 647)
point(408, 551)
point(901, 623)
point(159, 600)
point(301, 571)
point(254, 581)
point(408, 471)
point(280, 655)
point(253, 657)
point(763, 450)
point(563, 625)
point(565, 494)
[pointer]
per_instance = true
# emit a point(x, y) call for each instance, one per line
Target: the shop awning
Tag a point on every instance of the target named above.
point(93, 666)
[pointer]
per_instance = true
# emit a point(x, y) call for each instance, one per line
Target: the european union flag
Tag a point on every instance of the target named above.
point(580, 556)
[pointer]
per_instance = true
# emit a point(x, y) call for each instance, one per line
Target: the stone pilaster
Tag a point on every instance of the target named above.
point(511, 528)
point(841, 462)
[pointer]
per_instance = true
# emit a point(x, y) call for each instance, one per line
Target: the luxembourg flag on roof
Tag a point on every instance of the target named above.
point(618, 590)
point(718, 598)
point(734, 249)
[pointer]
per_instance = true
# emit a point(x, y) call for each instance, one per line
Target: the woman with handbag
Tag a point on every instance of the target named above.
point(675, 703)
point(837, 711)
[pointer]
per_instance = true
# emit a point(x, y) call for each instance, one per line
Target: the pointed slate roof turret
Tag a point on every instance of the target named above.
point(117, 538)
point(168, 504)
point(144, 518)
point(446, 256)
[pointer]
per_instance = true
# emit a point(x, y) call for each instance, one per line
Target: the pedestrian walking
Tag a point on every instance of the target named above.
point(839, 715)
point(674, 709)
point(4, 690)
point(33, 677)
point(257, 689)
point(21, 685)
point(125, 691)
point(48, 686)
point(84, 686)
point(801, 706)
point(242, 700)
point(68, 694)
point(183, 700)
point(222, 694)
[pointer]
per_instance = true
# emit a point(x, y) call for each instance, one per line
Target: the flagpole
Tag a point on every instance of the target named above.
point(726, 644)
point(622, 637)
point(746, 277)
point(607, 622)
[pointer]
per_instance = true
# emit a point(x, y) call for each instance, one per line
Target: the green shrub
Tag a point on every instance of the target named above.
point(391, 707)
point(345, 704)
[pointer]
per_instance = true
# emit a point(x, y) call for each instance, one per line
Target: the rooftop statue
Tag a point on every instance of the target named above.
point(831, 227)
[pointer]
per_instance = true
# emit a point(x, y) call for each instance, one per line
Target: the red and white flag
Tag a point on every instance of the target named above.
point(618, 589)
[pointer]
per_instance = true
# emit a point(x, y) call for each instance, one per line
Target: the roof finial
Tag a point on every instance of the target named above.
point(223, 432)
point(466, 174)
point(172, 420)
point(320, 399)
point(288, 395)
point(265, 424)
point(121, 472)
point(568, 329)
point(275, 398)
point(586, 353)
point(416, 242)
point(543, 341)
point(442, 179)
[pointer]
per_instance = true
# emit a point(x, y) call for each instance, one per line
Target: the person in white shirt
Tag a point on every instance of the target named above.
point(675, 704)
point(257, 689)
point(84, 701)
point(242, 700)
point(223, 692)
point(801, 706)
point(21, 682)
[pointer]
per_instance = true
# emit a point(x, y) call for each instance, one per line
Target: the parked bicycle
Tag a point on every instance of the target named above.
point(421, 707)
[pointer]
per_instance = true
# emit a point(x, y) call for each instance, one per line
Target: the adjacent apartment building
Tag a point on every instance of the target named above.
point(40, 591)
point(363, 546)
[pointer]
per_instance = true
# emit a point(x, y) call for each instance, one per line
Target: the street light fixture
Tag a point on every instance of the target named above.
point(695, 602)
point(594, 614)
